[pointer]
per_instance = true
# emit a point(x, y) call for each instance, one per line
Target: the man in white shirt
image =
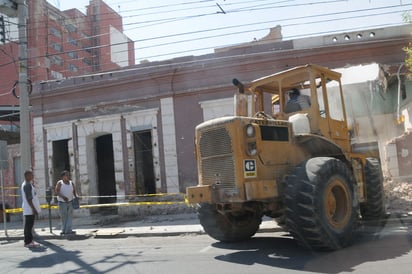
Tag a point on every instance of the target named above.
point(31, 207)
point(66, 192)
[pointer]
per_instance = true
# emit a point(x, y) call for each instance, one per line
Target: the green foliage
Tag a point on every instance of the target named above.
point(406, 16)
point(408, 59)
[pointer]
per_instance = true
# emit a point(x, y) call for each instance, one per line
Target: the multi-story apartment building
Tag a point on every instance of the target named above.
point(63, 44)
point(60, 44)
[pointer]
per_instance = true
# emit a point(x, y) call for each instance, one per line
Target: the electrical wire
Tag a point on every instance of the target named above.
point(244, 25)
point(255, 30)
point(168, 6)
point(204, 14)
point(213, 47)
point(209, 30)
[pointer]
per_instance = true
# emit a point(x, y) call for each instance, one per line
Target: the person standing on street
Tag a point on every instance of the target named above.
point(66, 192)
point(31, 207)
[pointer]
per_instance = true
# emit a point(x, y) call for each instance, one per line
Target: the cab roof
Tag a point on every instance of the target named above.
point(291, 78)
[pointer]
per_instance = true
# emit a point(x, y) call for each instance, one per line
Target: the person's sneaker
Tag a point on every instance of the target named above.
point(32, 244)
point(67, 233)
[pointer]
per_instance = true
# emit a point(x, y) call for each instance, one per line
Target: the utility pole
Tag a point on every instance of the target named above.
point(25, 144)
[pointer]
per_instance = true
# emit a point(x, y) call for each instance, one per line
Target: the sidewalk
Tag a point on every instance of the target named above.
point(114, 226)
point(119, 227)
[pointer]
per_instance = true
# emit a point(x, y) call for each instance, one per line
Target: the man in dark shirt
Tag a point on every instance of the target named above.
point(31, 208)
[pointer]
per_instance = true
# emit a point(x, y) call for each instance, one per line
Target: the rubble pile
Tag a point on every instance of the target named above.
point(398, 196)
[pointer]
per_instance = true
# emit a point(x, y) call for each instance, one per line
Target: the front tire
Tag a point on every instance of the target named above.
point(374, 207)
point(320, 207)
point(231, 227)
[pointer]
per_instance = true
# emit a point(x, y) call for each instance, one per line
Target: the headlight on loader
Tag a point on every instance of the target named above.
point(251, 149)
point(250, 131)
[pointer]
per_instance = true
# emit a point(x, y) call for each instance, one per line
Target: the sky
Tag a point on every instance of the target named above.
point(168, 29)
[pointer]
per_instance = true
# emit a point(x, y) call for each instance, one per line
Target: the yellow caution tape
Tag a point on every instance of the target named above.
point(110, 196)
point(18, 210)
point(10, 187)
point(13, 210)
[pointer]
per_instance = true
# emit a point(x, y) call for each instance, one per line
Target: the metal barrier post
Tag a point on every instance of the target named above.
point(3, 165)
point(48, 199)
point(3, 198)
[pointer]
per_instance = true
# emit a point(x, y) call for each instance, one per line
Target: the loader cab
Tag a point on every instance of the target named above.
point(309, 91)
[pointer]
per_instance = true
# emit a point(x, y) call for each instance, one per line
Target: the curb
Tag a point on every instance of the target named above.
point(111, 233)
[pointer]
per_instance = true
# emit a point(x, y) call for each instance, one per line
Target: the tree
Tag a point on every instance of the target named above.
point(406, 16)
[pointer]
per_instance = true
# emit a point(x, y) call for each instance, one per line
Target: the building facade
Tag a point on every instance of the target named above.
point(61, 44)
point(131, 132)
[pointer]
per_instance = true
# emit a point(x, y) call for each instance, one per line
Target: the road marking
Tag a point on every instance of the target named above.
point(206, 249)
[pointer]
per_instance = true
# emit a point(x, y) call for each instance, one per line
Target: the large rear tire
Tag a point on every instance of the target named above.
point(374, 207)
point(320, 207)
point(230, 227)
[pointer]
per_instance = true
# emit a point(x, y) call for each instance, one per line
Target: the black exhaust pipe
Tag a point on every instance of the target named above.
point(239, 85)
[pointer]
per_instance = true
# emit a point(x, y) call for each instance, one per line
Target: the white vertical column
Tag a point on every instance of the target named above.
point(39, 156)
point(169, 145)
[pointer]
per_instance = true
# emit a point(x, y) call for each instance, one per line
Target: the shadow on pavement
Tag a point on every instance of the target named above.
point(59, 256)
point(371, 243)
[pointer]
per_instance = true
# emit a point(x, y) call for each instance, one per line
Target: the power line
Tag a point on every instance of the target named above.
point(311, 34)
point(266, 22)
point(297, 36)
point(178, 52)
point(197, 8)
point(209, 30)
point(209, 58)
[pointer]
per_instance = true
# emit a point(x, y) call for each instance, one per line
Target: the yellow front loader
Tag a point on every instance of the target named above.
point(294, 163)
